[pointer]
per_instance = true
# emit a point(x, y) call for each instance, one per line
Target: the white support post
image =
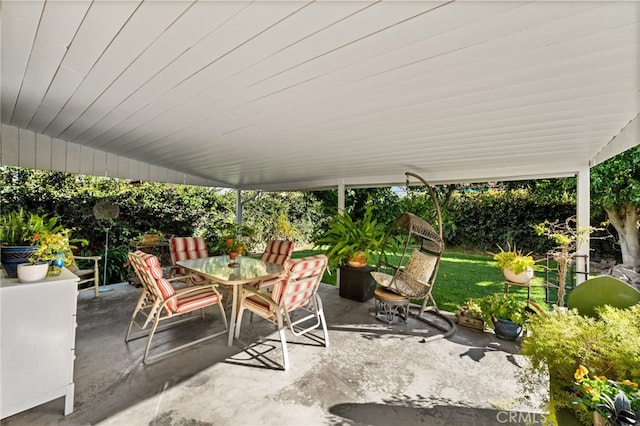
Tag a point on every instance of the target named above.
point(583, 213)
point(238, 206)
point(341, 197)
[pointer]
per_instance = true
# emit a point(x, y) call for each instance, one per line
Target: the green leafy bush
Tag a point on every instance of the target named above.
point(346, 238)
point(559, 342)
point(502, 306)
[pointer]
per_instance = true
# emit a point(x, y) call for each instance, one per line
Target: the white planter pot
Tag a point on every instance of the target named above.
point(29, 273)
point(521, 278)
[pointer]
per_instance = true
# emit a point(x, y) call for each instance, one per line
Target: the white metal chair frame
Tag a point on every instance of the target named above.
point(153, 307)
point(294, 298)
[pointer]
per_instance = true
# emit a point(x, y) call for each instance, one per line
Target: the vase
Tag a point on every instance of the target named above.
point(55, 268)
point(32, 272)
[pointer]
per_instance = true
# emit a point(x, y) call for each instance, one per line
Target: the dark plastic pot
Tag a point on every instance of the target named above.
point(507, 330)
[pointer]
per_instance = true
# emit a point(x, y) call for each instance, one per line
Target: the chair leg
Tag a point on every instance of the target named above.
point(285, 354)
point(156, 320)
point(224, 316)
point(139, 305)
point(323, 320)
point(96, 279)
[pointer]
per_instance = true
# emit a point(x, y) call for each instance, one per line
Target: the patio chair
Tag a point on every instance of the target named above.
point(159, 301)
point(86, 275)
point(277, 251)
point(183, 248)
point(599, 291)
point(413, 281)
point(296, 292)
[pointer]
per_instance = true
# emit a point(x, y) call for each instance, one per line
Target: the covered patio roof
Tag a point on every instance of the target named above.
point(285, 95)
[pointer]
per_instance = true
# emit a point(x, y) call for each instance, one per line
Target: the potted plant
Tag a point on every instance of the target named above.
point(17, 229)
point(348, 244)
point(611, 402)
point(235, 248)
point(516, 267)
point(54, 248)
point(350, 241)
point(469, 314)
point(505, 314)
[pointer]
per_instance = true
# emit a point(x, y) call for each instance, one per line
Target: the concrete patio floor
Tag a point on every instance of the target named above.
point(371, 374)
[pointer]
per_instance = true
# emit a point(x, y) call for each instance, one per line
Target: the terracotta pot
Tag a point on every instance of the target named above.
point(233, 255)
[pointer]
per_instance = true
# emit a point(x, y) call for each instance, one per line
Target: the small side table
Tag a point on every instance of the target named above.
point(508, 283)
point(389, 305)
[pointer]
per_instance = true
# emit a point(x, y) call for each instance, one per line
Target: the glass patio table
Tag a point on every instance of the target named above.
point(244, 270)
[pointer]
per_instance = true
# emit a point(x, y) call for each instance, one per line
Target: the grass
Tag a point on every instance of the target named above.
point(462, 276)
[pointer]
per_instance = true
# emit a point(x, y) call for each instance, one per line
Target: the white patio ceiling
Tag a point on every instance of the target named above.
point(302, 94)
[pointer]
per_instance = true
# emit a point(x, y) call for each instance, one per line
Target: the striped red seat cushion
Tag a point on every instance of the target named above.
point(196, 300)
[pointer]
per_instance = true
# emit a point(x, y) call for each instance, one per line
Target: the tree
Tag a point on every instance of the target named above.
point(615, 185)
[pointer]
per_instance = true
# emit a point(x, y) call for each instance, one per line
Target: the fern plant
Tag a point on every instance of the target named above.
point(348, 239)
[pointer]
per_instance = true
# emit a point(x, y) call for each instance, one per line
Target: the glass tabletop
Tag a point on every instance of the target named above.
point(219, 268)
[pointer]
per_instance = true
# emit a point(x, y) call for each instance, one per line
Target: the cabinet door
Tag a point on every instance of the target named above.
point(37, 342)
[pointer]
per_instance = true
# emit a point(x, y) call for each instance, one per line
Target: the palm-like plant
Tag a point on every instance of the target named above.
point(351, 240)
point(17, 227)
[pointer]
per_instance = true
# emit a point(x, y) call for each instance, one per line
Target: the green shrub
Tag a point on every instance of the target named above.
point(558, 342)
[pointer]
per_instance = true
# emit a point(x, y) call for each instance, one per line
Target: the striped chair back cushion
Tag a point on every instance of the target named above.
point(183, 248)
point(277, 251)
point(150, 271)
point(301, 281)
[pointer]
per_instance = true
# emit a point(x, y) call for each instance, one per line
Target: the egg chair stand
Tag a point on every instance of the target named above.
point(411, 277)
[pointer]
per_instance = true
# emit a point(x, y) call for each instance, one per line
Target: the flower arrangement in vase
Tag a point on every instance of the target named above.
point(54, 247)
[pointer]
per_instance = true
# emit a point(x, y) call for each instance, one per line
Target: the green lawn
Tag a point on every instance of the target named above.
point(463, 276)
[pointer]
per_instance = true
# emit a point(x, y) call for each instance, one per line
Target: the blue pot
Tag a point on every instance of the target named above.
point(12, 256)
point(507, 330)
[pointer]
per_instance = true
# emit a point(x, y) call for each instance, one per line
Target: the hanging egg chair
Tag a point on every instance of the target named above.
point(408, 266)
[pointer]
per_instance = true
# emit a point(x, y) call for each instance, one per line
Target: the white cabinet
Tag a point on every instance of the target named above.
point(38, 329)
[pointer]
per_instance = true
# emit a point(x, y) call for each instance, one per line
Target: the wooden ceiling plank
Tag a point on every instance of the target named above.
point(283, 27)
point(19, 26)
point(226, 67)
point(195, 24)
point(49, 48)
point(144, 26)
point(103, 21)
point(255, 17)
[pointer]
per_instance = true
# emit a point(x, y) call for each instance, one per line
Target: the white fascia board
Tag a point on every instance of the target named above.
point(628, 137)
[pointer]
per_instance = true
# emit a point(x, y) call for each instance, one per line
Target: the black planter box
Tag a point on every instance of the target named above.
point(357, 283)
